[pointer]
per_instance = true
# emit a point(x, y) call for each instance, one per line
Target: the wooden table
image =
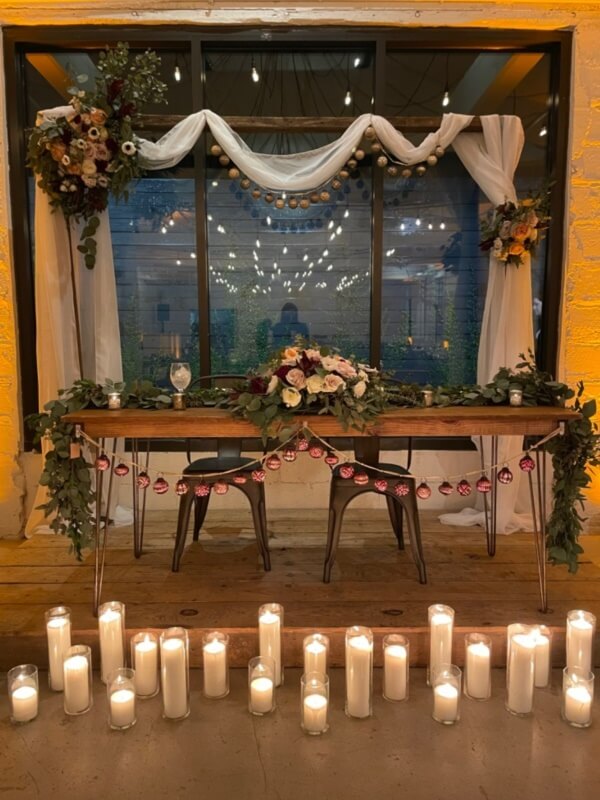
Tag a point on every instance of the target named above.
point(213, 423)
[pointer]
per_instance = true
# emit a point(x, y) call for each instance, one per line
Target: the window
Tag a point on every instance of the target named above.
point(387, 268)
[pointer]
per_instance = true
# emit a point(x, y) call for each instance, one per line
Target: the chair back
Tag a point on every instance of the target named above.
point(226, 447)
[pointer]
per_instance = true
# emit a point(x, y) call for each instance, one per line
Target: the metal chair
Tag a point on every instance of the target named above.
point(343, 491)
point(228, 458)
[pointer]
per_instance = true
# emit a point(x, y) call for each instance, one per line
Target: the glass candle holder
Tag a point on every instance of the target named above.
point(478, 666)
point(270, 625)
point(520, 676)
point(441, 627)
point(514, 627)
point(121, 699)
point(144, 660)
point(427, 397)
point(581, 628)
point(114, 401)
point(316, 653)
point(446, 681)
point(214, 657)
point(543, 655)
point(314, 694)
point(396, 658)
point(577, 696)
point(261, 685)
point(515, 396)
point(359, 672)
point(23, 693)
point(77, 676)
point(58, 635)
point(179, 402)
point(175, 673)
point(111, 633)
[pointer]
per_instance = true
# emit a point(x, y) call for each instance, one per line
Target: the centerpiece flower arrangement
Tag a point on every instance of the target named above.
point(513, 229)
point(306, 379)
point(90, 153)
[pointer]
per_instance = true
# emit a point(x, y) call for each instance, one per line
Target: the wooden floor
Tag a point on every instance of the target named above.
point(221, 583)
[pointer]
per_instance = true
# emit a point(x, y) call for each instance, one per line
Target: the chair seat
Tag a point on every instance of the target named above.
point(216, 464)
point(374, 471)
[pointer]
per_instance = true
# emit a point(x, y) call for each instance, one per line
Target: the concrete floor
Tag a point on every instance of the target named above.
point(221, 752)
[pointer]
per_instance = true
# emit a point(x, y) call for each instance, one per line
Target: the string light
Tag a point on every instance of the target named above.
point(177, 73)
point(348, 98)
point(357, 62)
point(543, 131)
point(254, 74)
point(446, 99)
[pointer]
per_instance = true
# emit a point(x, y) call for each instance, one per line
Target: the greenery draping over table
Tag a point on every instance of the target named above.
point(71, 495)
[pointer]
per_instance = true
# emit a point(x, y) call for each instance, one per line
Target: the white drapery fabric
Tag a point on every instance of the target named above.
point(490, 157)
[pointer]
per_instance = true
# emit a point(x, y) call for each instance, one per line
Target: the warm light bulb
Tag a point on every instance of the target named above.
point(348, 98)
point(446, 99)
point(357, 62)
point(543, 131)
point(254, 74)
point(177, 73)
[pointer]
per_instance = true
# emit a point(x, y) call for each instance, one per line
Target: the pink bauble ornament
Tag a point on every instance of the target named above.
point(302, 444)
point(402, 489)
point(361, 479)
point(121, 470)
point(239, 479)
point(505, 475)
point(160, 485)
point(484, 484)
point(259, 475)
point(220, 487)
point(331, 459)
point(102, 463)
point(464, 488)
point(527, 463)
point(346, 471)
point(202, 489)
point(316, 450)
point(290, 454)
point(381, 485)
point(445, 488)
point(143, 480)
point(273, 462)
point(423, 491)
point(181, 487)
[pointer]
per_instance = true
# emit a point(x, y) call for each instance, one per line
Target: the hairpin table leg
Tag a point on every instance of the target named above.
point(137, 547)
point(538, 513)
point(102, 530)
point(494, 498)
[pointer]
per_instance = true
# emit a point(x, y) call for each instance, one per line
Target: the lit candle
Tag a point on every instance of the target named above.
point(261, 695)
point(478, 670)
point(269, 635)
point(76, 684)
point(145, 662)
point(315, 653)
point(214, 654)
point(445, 703)
point(111, 628)
point(580, 637)
point(395, 672)
point(542, 659)
point(174, 678)
point(122, 708)
point(578, 705)
point(24, 703)
point(58, 634)
point(359, 671)
point(521, 674)
point(314, 710)
point(441, 623)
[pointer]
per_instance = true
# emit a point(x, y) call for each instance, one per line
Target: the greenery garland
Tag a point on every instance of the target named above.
point(66, 474)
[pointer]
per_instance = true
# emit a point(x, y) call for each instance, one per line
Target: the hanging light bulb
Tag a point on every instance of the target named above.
point(348, 98)
point(356, 62)
point(446, 98)
point(177, 72)
point(543, 131)
point(254, 73)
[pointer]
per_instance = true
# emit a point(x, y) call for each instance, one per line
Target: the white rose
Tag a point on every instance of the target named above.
point(296, 378)
point(273, 383)
point(88, 167)
point(329, 363)
point(359, 389)
point(291, 397)
point(362, 375)
point(313, 354)
point(314, 384)
point(497, 243)
point(331, 383)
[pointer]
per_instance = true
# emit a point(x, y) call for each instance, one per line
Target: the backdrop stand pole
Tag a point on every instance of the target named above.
point(75, 300)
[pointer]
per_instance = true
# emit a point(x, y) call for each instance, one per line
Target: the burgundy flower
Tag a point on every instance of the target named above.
point(112, 145)
point(282, 371)
point(113, 89)
point(257, 385)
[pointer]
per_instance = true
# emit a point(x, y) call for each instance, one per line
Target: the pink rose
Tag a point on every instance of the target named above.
point(519, 231)
point(331, 383)
point(359, 389)
point(329, 363)
point(345, 369)
point(101, 152)
point(296, 378)
point(313, 354)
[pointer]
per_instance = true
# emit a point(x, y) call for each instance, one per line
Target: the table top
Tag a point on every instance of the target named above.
point(213, 423)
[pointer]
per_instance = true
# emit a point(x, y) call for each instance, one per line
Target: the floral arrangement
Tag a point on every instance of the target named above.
point(309, 379)
point(90, 153)
point(513, 229)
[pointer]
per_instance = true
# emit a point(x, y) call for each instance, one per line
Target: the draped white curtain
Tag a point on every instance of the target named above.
point(490, 157)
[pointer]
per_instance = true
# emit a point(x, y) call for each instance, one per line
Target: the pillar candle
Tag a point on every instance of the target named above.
point(146, 667)
point(580, 638)
point(122, 708)
point(578, 705)
point(112, 655)
point(24, 703)
point(441, 623)
point(261, 695)
point(359, 666)
point(315, 657)
point(478, 675)
point(76, 684)
point(58, 632)
point(315, 713)
point(541, 658)
point(174, 678)
point(395, 668)
point(521, 674)
point(269, 634)
point(445, 702)
point(214, 654)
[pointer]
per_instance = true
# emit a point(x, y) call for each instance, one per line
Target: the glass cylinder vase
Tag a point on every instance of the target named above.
point(58, 635)
point(175, 673)
point(396, 659)
point(23, 693)
point(111, 633)
point(77, 676)
point(581, 629)
point(316, 653)
point(543, 655)
point(261, 685)
point(577, 697)
point(520, 676)
point(446, 681)
point(441, 628)
point(270, 627)
point(144, 660)
point(120, 689)
point(478, 666)
point(314, 699)
point(215, 646)
point(359, 672)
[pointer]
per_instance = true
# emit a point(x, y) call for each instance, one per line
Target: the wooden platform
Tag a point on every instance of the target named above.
point(221, 584)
